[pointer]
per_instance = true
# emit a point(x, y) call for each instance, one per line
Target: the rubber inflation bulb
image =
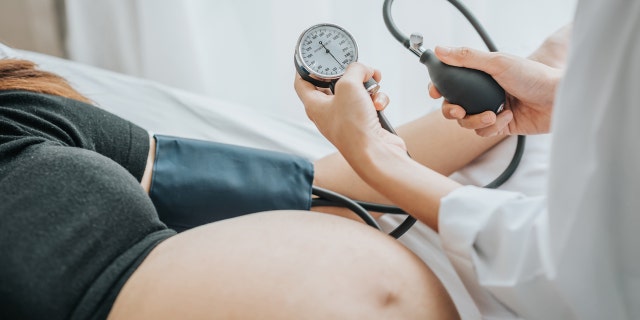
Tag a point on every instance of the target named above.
point(474, 90)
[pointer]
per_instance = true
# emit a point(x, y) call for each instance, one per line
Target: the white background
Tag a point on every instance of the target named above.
point(242, 51)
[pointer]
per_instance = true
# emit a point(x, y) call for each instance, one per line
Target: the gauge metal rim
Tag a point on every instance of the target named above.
point(316, 75)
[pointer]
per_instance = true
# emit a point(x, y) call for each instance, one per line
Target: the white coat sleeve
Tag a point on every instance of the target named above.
point(498, 243)
point(573, 255)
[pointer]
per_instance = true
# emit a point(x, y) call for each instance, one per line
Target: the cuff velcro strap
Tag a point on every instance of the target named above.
point(196, 182)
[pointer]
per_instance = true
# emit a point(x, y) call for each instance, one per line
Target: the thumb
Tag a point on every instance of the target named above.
point(472, 59)
point(356, 74)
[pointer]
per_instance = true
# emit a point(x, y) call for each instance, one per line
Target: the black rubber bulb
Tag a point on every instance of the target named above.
point(474, 90)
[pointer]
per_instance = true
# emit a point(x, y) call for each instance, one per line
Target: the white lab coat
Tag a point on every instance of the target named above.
point(571, 254)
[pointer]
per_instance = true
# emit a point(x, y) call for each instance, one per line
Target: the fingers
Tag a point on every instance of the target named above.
point(308, 94)
point(357, 74)
point(489, 62)
point(356, 71)
point(380, 101)
point(500, 126)
point(304, 89)
point(478, 121)
point(485, 124)
point(433, 92)
point(377, 75)
point(354, 77)
point(453, 111)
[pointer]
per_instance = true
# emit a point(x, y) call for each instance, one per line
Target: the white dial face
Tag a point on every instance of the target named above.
point(326, 50)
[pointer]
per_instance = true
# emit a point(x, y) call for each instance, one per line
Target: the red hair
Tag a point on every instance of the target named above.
point(22, 75)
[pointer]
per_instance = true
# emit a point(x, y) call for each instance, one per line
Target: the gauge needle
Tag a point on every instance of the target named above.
point(332, 56)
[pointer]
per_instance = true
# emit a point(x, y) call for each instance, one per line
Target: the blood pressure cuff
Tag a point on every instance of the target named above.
point(196, 182)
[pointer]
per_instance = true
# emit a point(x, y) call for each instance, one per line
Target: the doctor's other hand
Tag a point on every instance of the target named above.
point(348, 118)
point(530, 89)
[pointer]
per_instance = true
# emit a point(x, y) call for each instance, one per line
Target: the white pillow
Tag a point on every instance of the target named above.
point(6, 51)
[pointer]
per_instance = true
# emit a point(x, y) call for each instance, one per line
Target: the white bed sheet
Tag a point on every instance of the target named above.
point(162, 109)
point(166, 110)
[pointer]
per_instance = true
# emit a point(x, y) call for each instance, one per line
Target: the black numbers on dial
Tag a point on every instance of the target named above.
point(327, 50)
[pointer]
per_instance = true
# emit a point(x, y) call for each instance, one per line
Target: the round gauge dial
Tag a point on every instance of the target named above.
point(325, 50)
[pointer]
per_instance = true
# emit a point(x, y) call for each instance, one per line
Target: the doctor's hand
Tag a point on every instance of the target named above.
point(348, 118)
point(530, 89)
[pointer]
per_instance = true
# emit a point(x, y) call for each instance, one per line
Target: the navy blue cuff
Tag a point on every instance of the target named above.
point(196, 182)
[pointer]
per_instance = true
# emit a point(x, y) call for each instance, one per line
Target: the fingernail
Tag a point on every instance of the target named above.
point(487, 118)
point(453, 113)
point(382, 99)
point(444, 51)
